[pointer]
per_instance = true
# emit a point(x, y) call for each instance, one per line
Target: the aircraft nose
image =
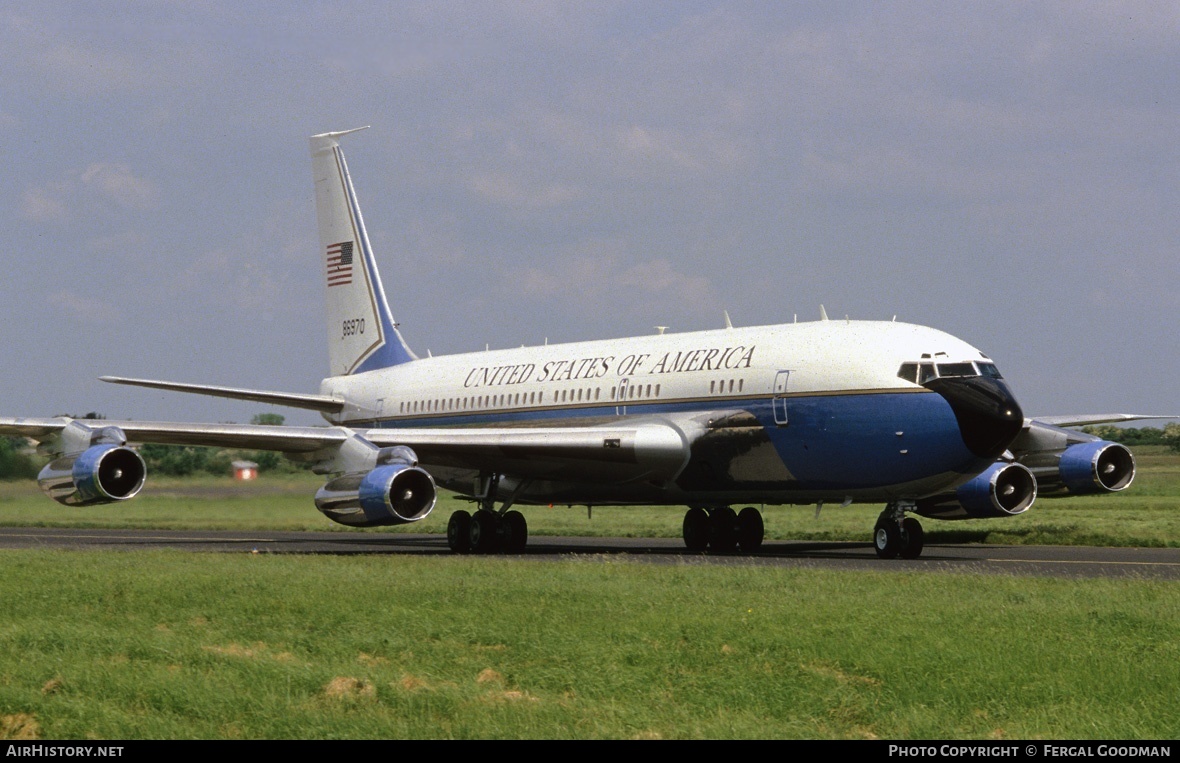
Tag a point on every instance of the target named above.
point(989, 416)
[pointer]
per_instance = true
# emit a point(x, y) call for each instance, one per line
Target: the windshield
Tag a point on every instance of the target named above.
point(920, 373)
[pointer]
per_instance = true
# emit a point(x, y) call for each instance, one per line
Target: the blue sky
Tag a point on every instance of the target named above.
point(1004, 172)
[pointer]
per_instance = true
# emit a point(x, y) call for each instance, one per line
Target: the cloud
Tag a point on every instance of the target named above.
point(601, 275)
point(117, 183)
point(44, 204)
point(100, 183)
point(509, 190)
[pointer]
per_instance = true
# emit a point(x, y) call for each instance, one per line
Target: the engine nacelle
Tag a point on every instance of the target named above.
point(1096, 467)
point(393, 494)
point(99, 474)
point(1004, 490)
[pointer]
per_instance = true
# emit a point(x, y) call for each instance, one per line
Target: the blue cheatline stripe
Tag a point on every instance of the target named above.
point(832, 442)
point(393, 350)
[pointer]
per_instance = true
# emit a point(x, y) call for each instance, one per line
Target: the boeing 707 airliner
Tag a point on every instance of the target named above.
point(835, 411)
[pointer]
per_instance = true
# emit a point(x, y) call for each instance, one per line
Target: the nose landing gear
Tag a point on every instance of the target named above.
point(896, 535)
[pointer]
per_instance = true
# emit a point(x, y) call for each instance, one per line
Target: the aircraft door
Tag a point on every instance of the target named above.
point(779, 399)
point(621, 398)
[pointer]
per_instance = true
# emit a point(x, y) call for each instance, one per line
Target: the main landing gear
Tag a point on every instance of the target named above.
point(896, 535)
point(489, 531)
point(723, 531)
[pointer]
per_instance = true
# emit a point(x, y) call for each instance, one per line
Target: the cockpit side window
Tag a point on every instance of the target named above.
point(909, 372)
point(989, 370)
point(925, 373)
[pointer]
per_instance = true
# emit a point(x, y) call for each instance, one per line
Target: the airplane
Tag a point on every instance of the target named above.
point(826, 411)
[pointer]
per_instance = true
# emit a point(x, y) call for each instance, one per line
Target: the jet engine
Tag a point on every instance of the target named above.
point(99, 474)
point(390, 494)
point(1100, 466)
point(1004, 490)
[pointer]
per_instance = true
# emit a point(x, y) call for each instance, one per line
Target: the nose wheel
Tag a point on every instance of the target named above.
point(896, 535)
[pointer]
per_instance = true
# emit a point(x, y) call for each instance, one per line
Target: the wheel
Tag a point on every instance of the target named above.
point(723, 530)
point(696, 530)
point(458, 529)
point(912, 539)
point(750, 530)
point(516, 532)
point(484, 532)
point(887, 538)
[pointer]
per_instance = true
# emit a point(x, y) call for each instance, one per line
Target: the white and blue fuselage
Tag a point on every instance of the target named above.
point(812, 411)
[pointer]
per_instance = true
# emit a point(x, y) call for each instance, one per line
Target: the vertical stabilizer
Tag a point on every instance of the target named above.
point(362, 335)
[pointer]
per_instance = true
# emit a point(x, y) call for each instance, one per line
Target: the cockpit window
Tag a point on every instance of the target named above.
point(920, 373)
point(956, 369)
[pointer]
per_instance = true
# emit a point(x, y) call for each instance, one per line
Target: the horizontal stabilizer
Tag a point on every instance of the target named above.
point(322, 403)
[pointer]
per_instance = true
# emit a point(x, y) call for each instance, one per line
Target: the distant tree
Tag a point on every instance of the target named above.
point(17, 461)
point(1128, 435)
point(269, 419)
point(1172, 436)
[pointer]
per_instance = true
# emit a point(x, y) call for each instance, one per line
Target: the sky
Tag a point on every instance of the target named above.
point(1005, 172)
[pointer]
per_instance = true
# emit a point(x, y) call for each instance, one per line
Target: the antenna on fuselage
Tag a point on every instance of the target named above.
point(823, 314)
point(661, 329)
point(728, 322)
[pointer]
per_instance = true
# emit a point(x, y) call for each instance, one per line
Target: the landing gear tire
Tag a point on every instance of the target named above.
point(696, 530)
point(516, 532)
point(458, 532)
point(912, 539)
point(484, 532)
point(887, 537)
point(750, 530)
point(723, 530)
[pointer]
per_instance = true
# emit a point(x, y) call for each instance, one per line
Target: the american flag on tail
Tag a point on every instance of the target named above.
point(340, 263)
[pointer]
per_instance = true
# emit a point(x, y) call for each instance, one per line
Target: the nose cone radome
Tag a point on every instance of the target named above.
point(989, 416)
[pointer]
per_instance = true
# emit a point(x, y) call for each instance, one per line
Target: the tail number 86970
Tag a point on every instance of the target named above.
point(353, 327)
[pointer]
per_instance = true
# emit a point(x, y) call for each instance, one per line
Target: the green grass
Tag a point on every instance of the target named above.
point(175, 645)
point(1144, 515)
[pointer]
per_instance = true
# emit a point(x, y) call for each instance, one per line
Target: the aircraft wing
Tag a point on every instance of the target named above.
point(1069, 461)
point(652, 450)
point(1093, 418)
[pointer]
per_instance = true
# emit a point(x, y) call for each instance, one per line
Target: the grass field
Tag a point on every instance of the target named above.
point(169, 644)
point(181, 645)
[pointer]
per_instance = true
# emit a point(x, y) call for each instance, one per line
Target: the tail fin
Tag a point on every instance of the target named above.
point(362, 335)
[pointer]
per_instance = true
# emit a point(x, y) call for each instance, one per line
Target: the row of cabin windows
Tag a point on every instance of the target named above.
point(584, 395)
point(719, 387)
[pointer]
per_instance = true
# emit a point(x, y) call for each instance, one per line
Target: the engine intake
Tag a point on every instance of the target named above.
point(393, 494)
point(100, 474)
point(1096, 467)
point(1004, 490)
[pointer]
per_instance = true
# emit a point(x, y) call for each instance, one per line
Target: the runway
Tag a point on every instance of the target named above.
point(1056, 561)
